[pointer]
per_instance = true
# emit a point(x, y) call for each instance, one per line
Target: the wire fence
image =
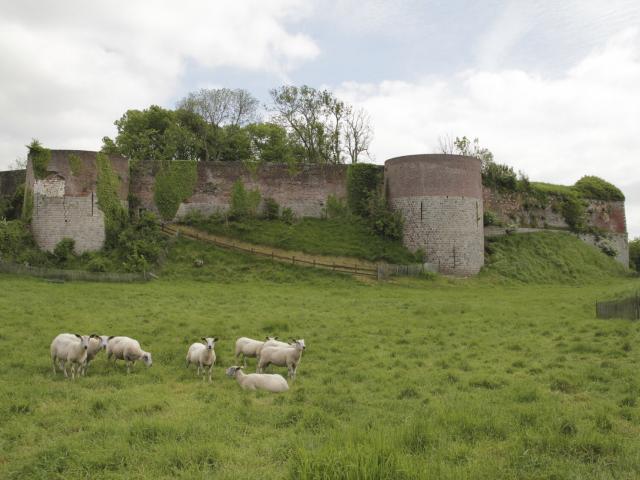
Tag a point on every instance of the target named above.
point(627, 308)
point(73, 275)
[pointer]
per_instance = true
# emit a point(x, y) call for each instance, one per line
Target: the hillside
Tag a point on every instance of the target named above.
point(547, 257)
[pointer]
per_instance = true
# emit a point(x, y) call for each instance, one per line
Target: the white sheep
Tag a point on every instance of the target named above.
point(96, 344)
point(127, 349)
point(289, 357)
point(258, 381)
point(203, 355)
point(69, 348)
point(248, 347)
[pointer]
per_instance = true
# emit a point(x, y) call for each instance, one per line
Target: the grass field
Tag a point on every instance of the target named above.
point(483, 378)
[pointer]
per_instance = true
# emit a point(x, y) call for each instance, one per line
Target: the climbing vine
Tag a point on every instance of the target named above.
point(115, 216)
point(40, 158)
point(75, 163)
point(363, 180)
point(27, 206)
point(174, 184)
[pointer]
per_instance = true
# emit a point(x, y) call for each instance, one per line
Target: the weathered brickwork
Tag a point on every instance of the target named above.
point(440, 198)
point(65, 203)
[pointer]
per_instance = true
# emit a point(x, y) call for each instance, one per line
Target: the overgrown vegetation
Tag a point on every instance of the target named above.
point(173, 185)
point(598, 189)
point(244, 203)
point(75, 164)
point(363, 180)
point(107, 191)
point(40, 158)
point(634, 254)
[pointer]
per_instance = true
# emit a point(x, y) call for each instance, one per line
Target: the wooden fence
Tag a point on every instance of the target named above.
point(73, 275)
point(628, 308)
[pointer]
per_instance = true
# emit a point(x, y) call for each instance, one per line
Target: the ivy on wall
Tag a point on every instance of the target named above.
point(27, 206)
point(174, 184)
point(108, 185)
point(40, 158)
point(75, 163)
point(363, 179)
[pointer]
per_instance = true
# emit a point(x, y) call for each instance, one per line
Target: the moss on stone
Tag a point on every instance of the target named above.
point(174, 184)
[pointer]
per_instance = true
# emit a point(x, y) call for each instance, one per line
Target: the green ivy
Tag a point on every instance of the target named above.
point(40, 158)
point(75, 163)
point(27, 206)
point(174, 184)
point(598, 189)
point(108, 185)
point(363, 179)
point(244, 203)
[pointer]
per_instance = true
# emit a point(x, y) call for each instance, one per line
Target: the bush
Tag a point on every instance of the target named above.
point(270, 209)
point(607, 248)
point(574, 212)
point(634, 254)
point(287, 215)
point(490, 218)
point(500, 177)
point(63, 251)
point(362, 180)
point(174, 184)
point(382, 220)
point(244, 203)
point(335, 208)
point(40, 158)
point(596, 188)
point(98, 263)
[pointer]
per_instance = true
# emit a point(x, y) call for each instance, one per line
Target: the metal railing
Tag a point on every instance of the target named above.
point(628, 308)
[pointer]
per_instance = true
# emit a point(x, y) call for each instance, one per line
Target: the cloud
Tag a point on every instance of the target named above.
point(69, 69)
point(582, 122)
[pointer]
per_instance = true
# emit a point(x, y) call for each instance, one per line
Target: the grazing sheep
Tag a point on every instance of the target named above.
point(96, 343)
point(203, 355)
point(259, 381)
point(272, 342)
point(69, 348)
point(249, 347)
point(283, 357)
point(127, 349)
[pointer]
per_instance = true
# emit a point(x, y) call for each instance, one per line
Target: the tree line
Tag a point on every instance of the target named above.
point(304, 125)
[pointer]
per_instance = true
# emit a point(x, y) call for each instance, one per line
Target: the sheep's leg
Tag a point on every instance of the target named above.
point(64, 368)
point(244, 360)
point(210, 367)
point(53, 364)
point(128, 365)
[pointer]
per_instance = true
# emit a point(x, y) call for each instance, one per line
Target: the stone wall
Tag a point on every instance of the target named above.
point(440, 199)
point(65, 203)
point(305, 191)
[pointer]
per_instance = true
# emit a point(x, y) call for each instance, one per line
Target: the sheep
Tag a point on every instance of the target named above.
point(69, 348)
point(258, 381)
point(283, 357)
point(96, 343)
point(203, 355)
point(249, 347)
point(127, 349)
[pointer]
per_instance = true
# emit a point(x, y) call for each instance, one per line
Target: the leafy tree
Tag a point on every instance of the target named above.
point(634, 254)
point(269, 142)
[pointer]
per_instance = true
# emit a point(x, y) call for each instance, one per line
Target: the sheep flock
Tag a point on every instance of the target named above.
point(76, 352)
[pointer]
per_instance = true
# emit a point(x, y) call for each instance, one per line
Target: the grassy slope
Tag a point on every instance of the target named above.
point(345, 237)
point(548, 257)
point(418, 379)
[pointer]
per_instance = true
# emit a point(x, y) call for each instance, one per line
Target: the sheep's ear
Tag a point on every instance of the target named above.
point(215, 339)
point(240, 368)
point(79, 336)
point(94, 335)
point(110, 337)
point(275, 338)
point(203, 339)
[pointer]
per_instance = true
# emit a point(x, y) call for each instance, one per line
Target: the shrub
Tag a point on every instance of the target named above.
point(40, 158)
point(490, 218)
point(362, 180)
point(382, 220)
point(63, 251)
point(598, 189)
point(270, 209)
point(287, 215)
point(335, 208)
point(98, 263)
point(174, 184)
point(634, 254)
point(607, 248)
point(498, 176)
point(244, 203)
point(574, 212)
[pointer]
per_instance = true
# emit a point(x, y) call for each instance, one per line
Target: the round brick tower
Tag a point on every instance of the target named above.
point(440, 198)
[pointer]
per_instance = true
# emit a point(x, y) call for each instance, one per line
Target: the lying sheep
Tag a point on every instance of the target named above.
point(69, 348)
point(258, 381)
point(203, 355)
point(249, 347)
point(289, 357)
point(127, 349)
point(96, 343)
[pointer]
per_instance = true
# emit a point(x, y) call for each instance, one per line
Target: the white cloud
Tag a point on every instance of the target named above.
point(555, 129)
point(69, 69)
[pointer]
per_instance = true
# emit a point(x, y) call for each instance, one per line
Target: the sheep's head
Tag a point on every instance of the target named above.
point(146, 358)
point(84, 340)
point(102, 339)
point(299, 344)
point(270, 338)
point(210, 342)
point(231, 371)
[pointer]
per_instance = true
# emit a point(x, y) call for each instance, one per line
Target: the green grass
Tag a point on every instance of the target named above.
point(548, 257)
point(341, 236)
point(412, 379)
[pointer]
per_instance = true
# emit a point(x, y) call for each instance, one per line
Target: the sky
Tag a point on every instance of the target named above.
point(551, 88)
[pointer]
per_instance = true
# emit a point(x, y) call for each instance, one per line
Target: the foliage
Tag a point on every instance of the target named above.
point(335, 208)
point(574, 211)
point(40, 158)
point(490, 218)
point(17, 244)
point(222, 106)
point(363, 179)
point(27, 206)
point(75, 163)
point(343, 236)
point(596, 188)
point(244, 203)
point(140, 243)
point(270, 209)
point(11, 208)
point(634, 254)
point(287, 216)
point(382, 220)
point(107, 189)
point(270, 143)
point(63, 251)
point(607, 248)
point(467, 147)
point(548, 257)
point(173, 185)
point(499, 177)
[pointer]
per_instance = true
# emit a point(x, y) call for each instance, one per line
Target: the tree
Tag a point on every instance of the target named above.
point(634, 254)
point(314, 118)
point(270, 143)
point(357, 133)
point(464, 146)
point(222, 106)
